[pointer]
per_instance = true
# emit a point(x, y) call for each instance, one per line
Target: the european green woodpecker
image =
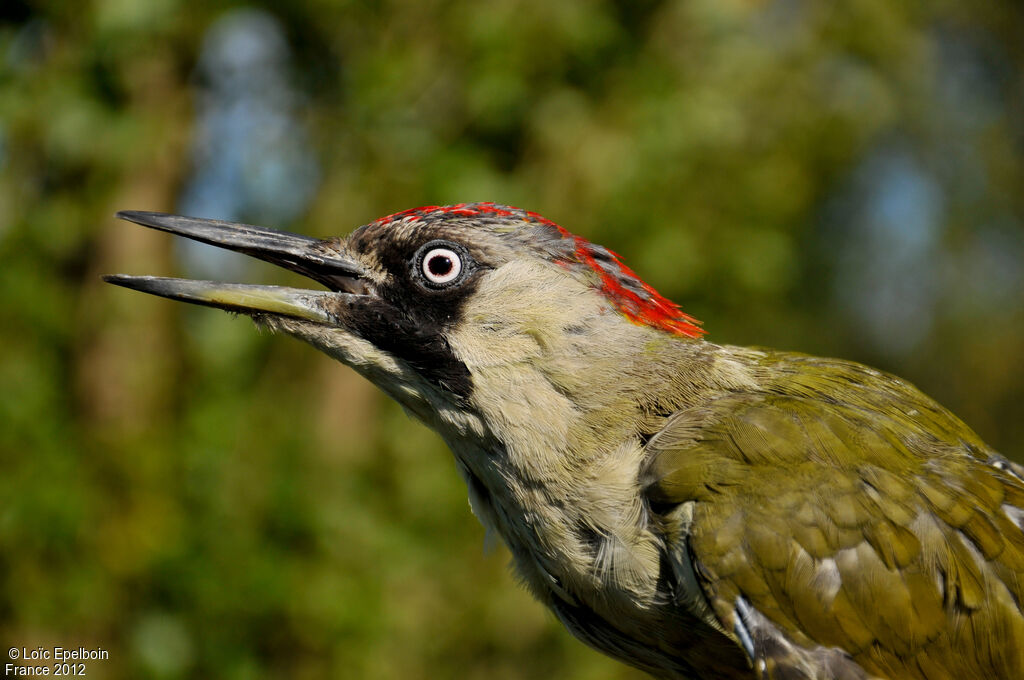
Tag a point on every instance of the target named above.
point(695, 510)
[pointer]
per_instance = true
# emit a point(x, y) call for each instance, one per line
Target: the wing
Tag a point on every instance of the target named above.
point(845, 540)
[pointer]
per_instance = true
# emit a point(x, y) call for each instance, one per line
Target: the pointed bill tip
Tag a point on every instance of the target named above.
point(139, 216)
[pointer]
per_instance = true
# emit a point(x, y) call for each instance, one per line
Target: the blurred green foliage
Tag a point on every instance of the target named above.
point(205, 501)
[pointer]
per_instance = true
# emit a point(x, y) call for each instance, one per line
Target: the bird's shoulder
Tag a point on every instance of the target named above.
point(836, 520)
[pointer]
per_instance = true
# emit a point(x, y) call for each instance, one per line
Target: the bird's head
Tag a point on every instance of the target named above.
point(428, 301)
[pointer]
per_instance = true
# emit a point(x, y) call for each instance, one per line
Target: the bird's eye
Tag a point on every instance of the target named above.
point(441, 266)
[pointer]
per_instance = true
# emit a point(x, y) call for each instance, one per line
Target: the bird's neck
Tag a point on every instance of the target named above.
point(553, 466)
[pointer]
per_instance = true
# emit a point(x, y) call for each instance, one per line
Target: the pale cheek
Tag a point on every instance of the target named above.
point(523, 312)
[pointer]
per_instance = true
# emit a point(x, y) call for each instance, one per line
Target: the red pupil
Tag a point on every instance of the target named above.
point(439, 265)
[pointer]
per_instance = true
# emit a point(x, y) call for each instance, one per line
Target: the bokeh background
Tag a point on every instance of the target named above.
point(205, 501)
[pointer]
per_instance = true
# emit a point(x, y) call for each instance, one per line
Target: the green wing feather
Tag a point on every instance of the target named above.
point(848, 525)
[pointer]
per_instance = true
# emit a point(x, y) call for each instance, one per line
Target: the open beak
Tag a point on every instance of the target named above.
point(319, 260)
